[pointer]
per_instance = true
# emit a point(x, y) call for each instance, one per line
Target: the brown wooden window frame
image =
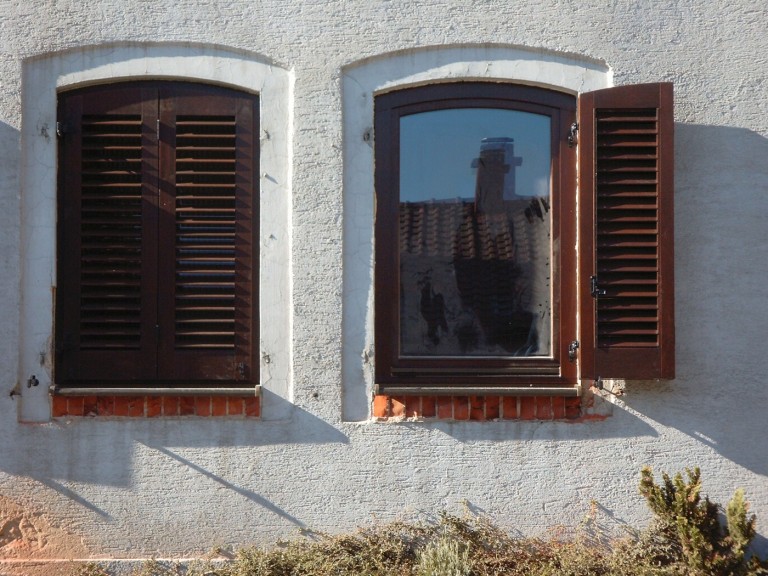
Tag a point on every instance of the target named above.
point(394, 370)
point(619, 325)
point(193, 314)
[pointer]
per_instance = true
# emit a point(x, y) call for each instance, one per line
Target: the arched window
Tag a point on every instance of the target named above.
point(157, 268)
point(478, 273)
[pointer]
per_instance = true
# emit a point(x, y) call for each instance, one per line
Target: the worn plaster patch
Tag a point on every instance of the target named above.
point(30, 534)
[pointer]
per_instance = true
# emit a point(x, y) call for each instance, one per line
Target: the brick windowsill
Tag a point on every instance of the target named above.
point(155, 406)
point(477, 408)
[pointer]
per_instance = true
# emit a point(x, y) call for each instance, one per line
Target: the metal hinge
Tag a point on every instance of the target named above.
point(572, 348)
point(594, 289)
point(61, 129)
point(572, 138)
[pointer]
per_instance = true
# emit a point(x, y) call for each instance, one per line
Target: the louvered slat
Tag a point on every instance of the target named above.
point(626, 211)
point(111, 232)
point(205, 233)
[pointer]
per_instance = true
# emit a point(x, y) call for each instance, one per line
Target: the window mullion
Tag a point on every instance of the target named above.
point(150, 233)
point(166, 244)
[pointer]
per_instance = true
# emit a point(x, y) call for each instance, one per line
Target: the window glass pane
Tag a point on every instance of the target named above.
point(475, 233)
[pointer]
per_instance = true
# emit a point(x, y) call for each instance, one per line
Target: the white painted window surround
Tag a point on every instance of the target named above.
point(361, 82)
point(43, 77)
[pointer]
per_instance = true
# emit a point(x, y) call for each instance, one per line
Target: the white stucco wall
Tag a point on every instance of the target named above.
point(135, 488)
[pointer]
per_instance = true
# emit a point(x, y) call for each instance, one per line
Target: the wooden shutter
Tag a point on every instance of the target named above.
point(105, 309)
point(209, 214)
point(158, 210)
point(626, 270)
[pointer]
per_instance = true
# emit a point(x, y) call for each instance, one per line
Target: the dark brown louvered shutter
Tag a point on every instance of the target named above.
point(626, 179)
point(158, 210)
point(106, 236)
point(209, 216)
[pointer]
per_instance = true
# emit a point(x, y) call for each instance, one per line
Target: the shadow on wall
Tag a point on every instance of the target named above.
point(59, 456)
point(721, 200)
point(9, 150)
point(9, 255)
point(249, 494)
point(108, 451)
point(719, 397)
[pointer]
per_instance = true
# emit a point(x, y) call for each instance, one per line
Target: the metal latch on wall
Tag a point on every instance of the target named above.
point(31, 381)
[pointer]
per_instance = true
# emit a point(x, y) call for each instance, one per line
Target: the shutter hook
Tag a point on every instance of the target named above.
point(594, 289)
point(599, 383)
point(572, 139)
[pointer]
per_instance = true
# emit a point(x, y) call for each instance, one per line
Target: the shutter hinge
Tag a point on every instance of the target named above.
point(158, 128)
point(61, 129)
point(572, 348)
point(594, 289)
point(572, 138)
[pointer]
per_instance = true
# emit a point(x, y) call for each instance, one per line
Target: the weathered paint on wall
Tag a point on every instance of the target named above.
point(177, 486)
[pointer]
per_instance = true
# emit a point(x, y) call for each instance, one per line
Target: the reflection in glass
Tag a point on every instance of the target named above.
point(475, 233)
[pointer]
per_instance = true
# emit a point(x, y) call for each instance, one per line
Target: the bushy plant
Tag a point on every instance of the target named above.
point(443, 557)
point(691, 528)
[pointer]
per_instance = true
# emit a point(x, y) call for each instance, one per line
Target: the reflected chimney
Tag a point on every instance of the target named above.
point(495, 174)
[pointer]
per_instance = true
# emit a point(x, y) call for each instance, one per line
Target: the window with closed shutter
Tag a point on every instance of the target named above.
point(158, 212)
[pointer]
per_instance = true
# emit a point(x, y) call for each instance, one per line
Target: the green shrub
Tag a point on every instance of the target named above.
point(691, 529)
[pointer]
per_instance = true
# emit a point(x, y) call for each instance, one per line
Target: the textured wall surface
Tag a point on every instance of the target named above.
point(132, 488)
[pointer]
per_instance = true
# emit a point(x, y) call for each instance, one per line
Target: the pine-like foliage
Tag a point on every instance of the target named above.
point(692, 528)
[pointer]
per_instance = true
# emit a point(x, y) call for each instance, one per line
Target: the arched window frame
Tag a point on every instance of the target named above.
point(399, 370)
point(47, 75)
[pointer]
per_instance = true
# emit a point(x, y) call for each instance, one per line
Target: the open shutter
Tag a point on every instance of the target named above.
point(209, 217)
point(106, 266)
point(626, 270)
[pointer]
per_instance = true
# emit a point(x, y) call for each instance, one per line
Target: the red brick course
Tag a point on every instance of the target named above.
point(477, 408)
point(428, 407)
point(252, 406)
point(155, 406)
point(509, 406)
